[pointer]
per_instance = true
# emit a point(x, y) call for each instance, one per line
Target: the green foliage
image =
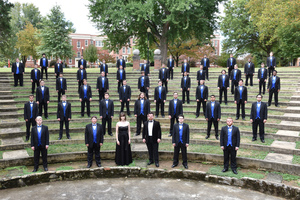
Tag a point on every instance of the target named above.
point(287, 177)
point(52, 63)
point(217, 170)
point(64, 168)
point(296, 159)
point(5, 27)
point(222, 59)
point(129, 64)
point(90, 53)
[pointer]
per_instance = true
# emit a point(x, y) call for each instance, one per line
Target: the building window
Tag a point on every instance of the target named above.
point(133, 41)
point(124, 50)
point(91, 41)
point(128, 50)
point(216, 52)
point(125, 58)
point(99, 43)
point(86, 42)
point(70, 60)
point(216, 43)
point(78, 54)
point(78, 44)
point(70, 42)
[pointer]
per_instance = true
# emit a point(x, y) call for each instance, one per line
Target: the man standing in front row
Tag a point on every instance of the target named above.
point(30, 114)
point(213, 115)
point(107, 113)
point(64, 115)
point(274, 88)
point(40, 143)
point(230, 143)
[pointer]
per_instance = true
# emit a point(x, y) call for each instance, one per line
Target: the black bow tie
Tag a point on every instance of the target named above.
point(150, 121)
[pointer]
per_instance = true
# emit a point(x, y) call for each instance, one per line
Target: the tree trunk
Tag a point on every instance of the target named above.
point(24, 59)
point(164, 44)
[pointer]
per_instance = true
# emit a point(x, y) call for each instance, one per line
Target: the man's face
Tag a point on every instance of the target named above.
point(39, 121)
point(262, 65)
point(124, 82)
point(212, 98)
point(84, 82)
point(81, 57)
point(223, 72)
point(102, 74)
point(121, 67)
point(231, 55)
point(175, 95)
point(142, 96)
point(63, 98)
point(106, 96)
point(150, 117)
point(235, 66)
point(159, 83)
point(103, 61)
point(181, 119)
point(274, 73)
point(229, 122)
point(44, 56)
point(42, 83)
point(145, 61)
point(81, 66)
point(185, 73)
point(201, 82)
point(35, 66)
point(94, 120)
point(61, 75)
point(249, 60)
point(17, 60)
point(271, 54)
point(201, 67)
point(30, 98)
point(240, 83)
point(258, 98)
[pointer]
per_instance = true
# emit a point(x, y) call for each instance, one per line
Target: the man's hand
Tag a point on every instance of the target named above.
point(47, 146)
point(32, 148)
point(158, 140)
point(58, 119)
point(222, 147)
point(80, 100)
point(251, 120)
point(174, 145)
point(236, 148)
point(186, 145)
point(87, 145)
point(265, 120)
point(90, 99)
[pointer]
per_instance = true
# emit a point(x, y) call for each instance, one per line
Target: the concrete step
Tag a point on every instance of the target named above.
point(279, 158)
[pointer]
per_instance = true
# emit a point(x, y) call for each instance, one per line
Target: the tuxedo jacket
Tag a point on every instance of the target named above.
point(64, 84)
point(99, 83)
point(123, 63)
point(185, 134)
point(263, 114)
point(38, 74)
point(264, 75)
point(249, 70)
point(110, 109)
point(35, 138)
point(84, 63)
point(79, 74)
point(56, 70)
point(146, 82)
point(41, 62)
point(88, 93)
point(179, 110)
point(207, 63)
point(200, 76)
point(137, 107)
point(217, 111)
point(123, 75)
point(277, 83)
point(170, 65)
point(163, 93)
point(205, 92)
point(145, 69)
point(269, 64)
point(102, 68)
point(187, 68)
point(14, 68)
point(39, 95)
point(156, 131)
point(125, 95)
point(89, 136)
point(237, 94)
point(235, 137)
point(220, 81)
point(60, 111)
point(188, 82)
point(166, 74)
point(229, 62)
point(237, 76)
point(27, 110)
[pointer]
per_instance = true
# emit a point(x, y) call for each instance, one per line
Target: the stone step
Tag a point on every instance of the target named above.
point(288, 133)
point(15, 154)
point(10, 141)
point(279, 158)
point(284, 144)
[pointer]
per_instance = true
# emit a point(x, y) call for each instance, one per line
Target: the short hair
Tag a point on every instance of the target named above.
point(159, 81)
point(241, 80)
point(106, 93)
point(84, 80)
point(181, 115)
point(142, 72)
point(43, 54)
point(31, 95)
point(229, 118)
point(61, 73)
point(175, 92)
point(64, 95)
point(262, 63)
point(150, 113)
point(94, 116)
point(212, 95)
point(259, 95)
point(223, 70)
point(122, 114)
point(38, 117)
point(275, 71)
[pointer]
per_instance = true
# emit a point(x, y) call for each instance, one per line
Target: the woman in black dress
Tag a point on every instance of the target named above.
point(123, 151)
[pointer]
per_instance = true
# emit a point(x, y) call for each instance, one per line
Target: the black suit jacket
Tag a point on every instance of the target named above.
point(163, 93)
point(263, 114)
point(88, 93)
point(269, 64)
point(229, 63)
point(89, 136)
point(27, 110)
point(200, 76)
point(38, 74)
point(166, 74)
point(102, 68)
point(205, 92)
point(79, 74)
point(125, 95)
point(249, 70)
point(235, 137)
point(41, 62)
point(84, 63)
point(64, 84)
point(265, 73)
point(61, 69)
point(99, 83)
point(60, 111)
point(220, 81)
point(123, 63)
point(145, 70)
point(179, 110)
point(137, 107)
point(14, 68)
point(187, 68)
point(277, 83)
point(156, 131)
point(146, 82)
point(185, 134)
point(170, 65)
point(39, 95)
point(237, 94)
point(35, 138)
point(188, 82)
point(207, 62)
point(123, 75)
point(217, 111)
point(238, 75)
point(110, 110)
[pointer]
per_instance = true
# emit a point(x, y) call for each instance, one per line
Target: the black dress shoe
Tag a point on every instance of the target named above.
point(27, 138)
point(88, 166)
point(254, 139)
point(110, 134)
point(149, 163)
point(137, 134)
point(170, 135)
point(99, 165)
point(89, 115)
point(47, 118)
point(217, 137)
point(225, 103)
point(234, 171)
point(262, 140)
point(197, 116)
point(244, 118)
point(59, 138)
point(174, 166)
point(129, 115)
point(156, 164)
point(277, 106)
point(46, 169)
point(156, 116)
point(34, 170)
point(207, 137)
point(69, 138)
point(224, 170)
point(185, 166)
point(236, 118)
point(163, 116)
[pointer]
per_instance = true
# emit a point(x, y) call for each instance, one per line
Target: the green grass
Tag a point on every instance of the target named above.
point(217, 170)
point(296, 159)
point(64, 168)
point(1, 154)
point(287, 177)
point(20, 170)
point(297, 144)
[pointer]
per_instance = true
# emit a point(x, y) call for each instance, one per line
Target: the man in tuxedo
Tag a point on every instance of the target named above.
point(230, 143)
point(82, 62)
point(58, 68)
point(30, 113)
point(274, 88)
point(262, 78)
point(121, 76)
point(235, 77)
point(144, 84)
point(171, 67)
point(44, 66)
point(152, 138)
point(121, 62)
point(185, 67)
point(213, 115)
point(164, 76)
point(81, 74)
point(223, 86)
point(85, 97)
point(102, 85)
point(146, 68)
point(104, 68)
point(258, 117)
point(64, 115)
point(201, 97)
point(43, 99)
point(205, 63)
point(40, 143)
point(160, 96)
point(61, 86)
point(107, 113)
point(240, 99)
point(180, 141)
point(35, 78)
point(271, 64)
point(125, 96)
point(185, 87)
point(230, 64)
point(200, 75)
point(175, 109)
point(93, 141)
point(249, 70)
point(17, 70)
point(141, 110)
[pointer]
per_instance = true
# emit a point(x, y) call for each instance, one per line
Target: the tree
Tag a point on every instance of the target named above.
point(54, 36)
point(167, 19)
point(5, 27)
point(90, 53)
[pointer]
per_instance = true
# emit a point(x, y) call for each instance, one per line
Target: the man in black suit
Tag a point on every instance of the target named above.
point(85, 97)
point(64, 114)
point(160, 96)
point(180, 140)
point(121, 62)
point(102, 85)
point(144, 84)
point(200, 75)
point(93, 141)
point(223, 86)
point(274, 88)
point(152, 138)
point(146, 68)
point(30, 113)
point(107, 113)
point(185, 87)
point(125, 96)
point(258, 117)
point(44, 66)
point(170, 66)
point(35, 78)
point(40, 143)
point(235, 77)
point(17, 70)
point(81, 74)
point(121, 76)
point(230, 64)
point(58, 68)
point(262, 78)
point(175, 109)
point(271, 64)
point(43, 98)
point(201, 97)
point(249, 70)
point(82, 62)
point(141, 110)
point(61, 86)
point(240, 99)
point(205, 63)
point(185, 67)
point(230, 143)
point(164, 76)
point(104, 68)
point(213, 115)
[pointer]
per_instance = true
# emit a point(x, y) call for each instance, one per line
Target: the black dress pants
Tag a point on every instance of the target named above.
point(107, 120)
point(145, 90)
point(234, 83)
point(139, 120)
point(28, 123)
point(177, 149)
point(87, 102)
point(162, 105)
point(41, 104)
point(37, 152)
point(66, 121)
point(59, 94)
point(152, 150)
point(223, 89)
point(229, 150)
point(216, 126)
point(201, 101)
point(186, 92)
point(91, 150)
point(33, 86)
point(275, 92)
point(127, 106)
point(42, 72)
point(255, 124)
point(262, 84)
point(18, 78)
point(251, 79)
point(172, 121)
point(240, 104)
